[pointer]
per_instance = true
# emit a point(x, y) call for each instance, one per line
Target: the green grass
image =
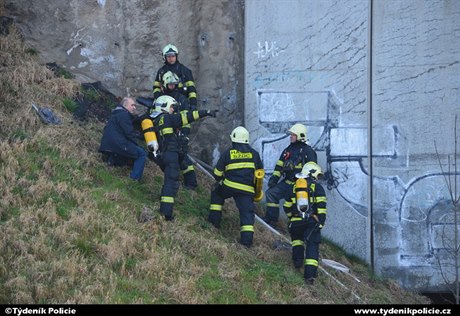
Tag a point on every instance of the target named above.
point(90, 94)
point(65, 74)
point(19, 135)
point(123, 261)
point(96, 209)
point(70, 104)
point(32, 51)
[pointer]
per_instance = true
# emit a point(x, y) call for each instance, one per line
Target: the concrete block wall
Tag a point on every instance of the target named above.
point(377, 83)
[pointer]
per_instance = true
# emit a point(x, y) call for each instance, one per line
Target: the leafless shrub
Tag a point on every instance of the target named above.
point(449, 257)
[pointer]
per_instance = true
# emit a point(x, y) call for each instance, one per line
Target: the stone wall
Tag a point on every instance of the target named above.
point(119, 43)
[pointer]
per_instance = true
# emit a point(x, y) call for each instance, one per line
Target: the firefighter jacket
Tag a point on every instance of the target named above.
point(316, 210)
point(169, 128)
point(184, 105)
point(119, 135)
point(181, 98)
point(236, 167)
point(292, 160)
point(186, 84)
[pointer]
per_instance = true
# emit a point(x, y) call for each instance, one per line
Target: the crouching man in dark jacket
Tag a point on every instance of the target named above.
point(119, 141)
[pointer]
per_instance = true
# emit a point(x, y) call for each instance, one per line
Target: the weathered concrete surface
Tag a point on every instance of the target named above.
point(309, 61)
point(119, 43)
point(416, 81)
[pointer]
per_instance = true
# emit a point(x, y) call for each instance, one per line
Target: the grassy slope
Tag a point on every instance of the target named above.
point(69, 230)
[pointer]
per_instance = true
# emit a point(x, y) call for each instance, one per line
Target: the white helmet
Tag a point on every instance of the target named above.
point(300, 130)
point(240, 135)
point(170, 77)
point(170, 49)
point(310, 169)
point(164, 103)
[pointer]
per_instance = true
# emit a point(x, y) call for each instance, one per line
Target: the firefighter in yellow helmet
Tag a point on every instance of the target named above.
point(168, 124)
point(186, 84)
point(234, 173)
point(170, 83)
point(290, 162)
point(307, 215)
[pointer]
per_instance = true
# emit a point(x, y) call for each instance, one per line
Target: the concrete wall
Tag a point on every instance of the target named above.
point(322, 64)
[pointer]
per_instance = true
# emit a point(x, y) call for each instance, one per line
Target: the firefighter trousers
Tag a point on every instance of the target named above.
point(170, 187)
point(246, 208)
point(188, 172)
point(305, 238)
point(273, 196)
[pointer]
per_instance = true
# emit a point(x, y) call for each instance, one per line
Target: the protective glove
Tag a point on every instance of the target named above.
point(212, 113)
point(318, 226)
point(288, 166)
point(272, 182)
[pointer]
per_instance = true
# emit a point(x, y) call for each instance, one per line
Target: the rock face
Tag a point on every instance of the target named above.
point(119, 43)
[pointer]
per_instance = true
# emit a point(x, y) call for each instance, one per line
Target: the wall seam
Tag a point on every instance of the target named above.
point(370, 127)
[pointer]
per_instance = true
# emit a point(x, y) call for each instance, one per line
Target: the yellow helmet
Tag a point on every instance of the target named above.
point(169, 77)
point(240, 135)
point(311, 169)
point(164, 103)
point(168, 50)
point(301, 131)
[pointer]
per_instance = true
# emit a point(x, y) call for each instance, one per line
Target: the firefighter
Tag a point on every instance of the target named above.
point(290, 162)
point(170, 84)
point(235, 176)
point(186, 85)
point(168, 124)
point(307, 216)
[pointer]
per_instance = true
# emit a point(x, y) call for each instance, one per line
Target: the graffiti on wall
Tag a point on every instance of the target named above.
point(343, 151)
point(268, 49)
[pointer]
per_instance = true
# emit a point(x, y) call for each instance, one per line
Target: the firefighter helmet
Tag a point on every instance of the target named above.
point(170, 49)
point(300, 131)
point(240, 135)
point(311, 169)
point(170, 78)
point(164, 103)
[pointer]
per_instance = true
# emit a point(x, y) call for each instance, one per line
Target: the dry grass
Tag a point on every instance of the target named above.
point(24, 81)
point(69, 228)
